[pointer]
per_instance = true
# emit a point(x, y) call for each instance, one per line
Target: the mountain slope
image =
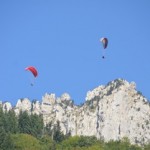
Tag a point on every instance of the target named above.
point(113, 111)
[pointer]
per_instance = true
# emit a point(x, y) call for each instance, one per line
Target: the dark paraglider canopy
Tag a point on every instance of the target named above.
point(104, 41)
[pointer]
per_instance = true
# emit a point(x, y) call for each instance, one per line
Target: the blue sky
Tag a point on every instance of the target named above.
point(61, 39)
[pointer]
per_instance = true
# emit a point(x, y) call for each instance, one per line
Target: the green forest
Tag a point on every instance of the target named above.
point(27, 132)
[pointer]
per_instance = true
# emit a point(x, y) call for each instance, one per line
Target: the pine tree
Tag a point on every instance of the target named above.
point(48, 129)
point(58, 136)
point(5, 140)
point(36, 125)
point(11, 122)
point(24, 123)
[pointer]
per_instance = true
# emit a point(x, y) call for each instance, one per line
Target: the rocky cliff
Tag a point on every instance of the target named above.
point(113, 111)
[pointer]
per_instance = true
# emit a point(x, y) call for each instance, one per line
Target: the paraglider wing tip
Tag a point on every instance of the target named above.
point(101, 39)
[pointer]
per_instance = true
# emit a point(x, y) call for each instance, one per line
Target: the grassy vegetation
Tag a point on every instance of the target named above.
point(28, 142)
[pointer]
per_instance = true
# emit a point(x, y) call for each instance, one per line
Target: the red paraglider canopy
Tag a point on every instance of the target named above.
point(33, 70)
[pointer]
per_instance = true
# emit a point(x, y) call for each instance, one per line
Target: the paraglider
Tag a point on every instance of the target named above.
point(104, 41)
point(33, 70)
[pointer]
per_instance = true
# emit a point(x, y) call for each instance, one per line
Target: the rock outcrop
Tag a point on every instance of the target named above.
point(113, 111)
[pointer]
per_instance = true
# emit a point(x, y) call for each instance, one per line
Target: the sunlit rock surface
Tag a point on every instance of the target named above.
point(113, 111)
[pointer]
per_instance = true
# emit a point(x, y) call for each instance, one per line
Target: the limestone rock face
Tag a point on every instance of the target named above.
point(113, 111)
point(36, 107)
point(65, 96)
point(6, 106)
point(23, 105)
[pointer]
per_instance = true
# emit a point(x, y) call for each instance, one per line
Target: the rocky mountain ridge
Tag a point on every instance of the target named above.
point(113, 111)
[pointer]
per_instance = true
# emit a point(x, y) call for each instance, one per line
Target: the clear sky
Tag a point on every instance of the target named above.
point(61, 39)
